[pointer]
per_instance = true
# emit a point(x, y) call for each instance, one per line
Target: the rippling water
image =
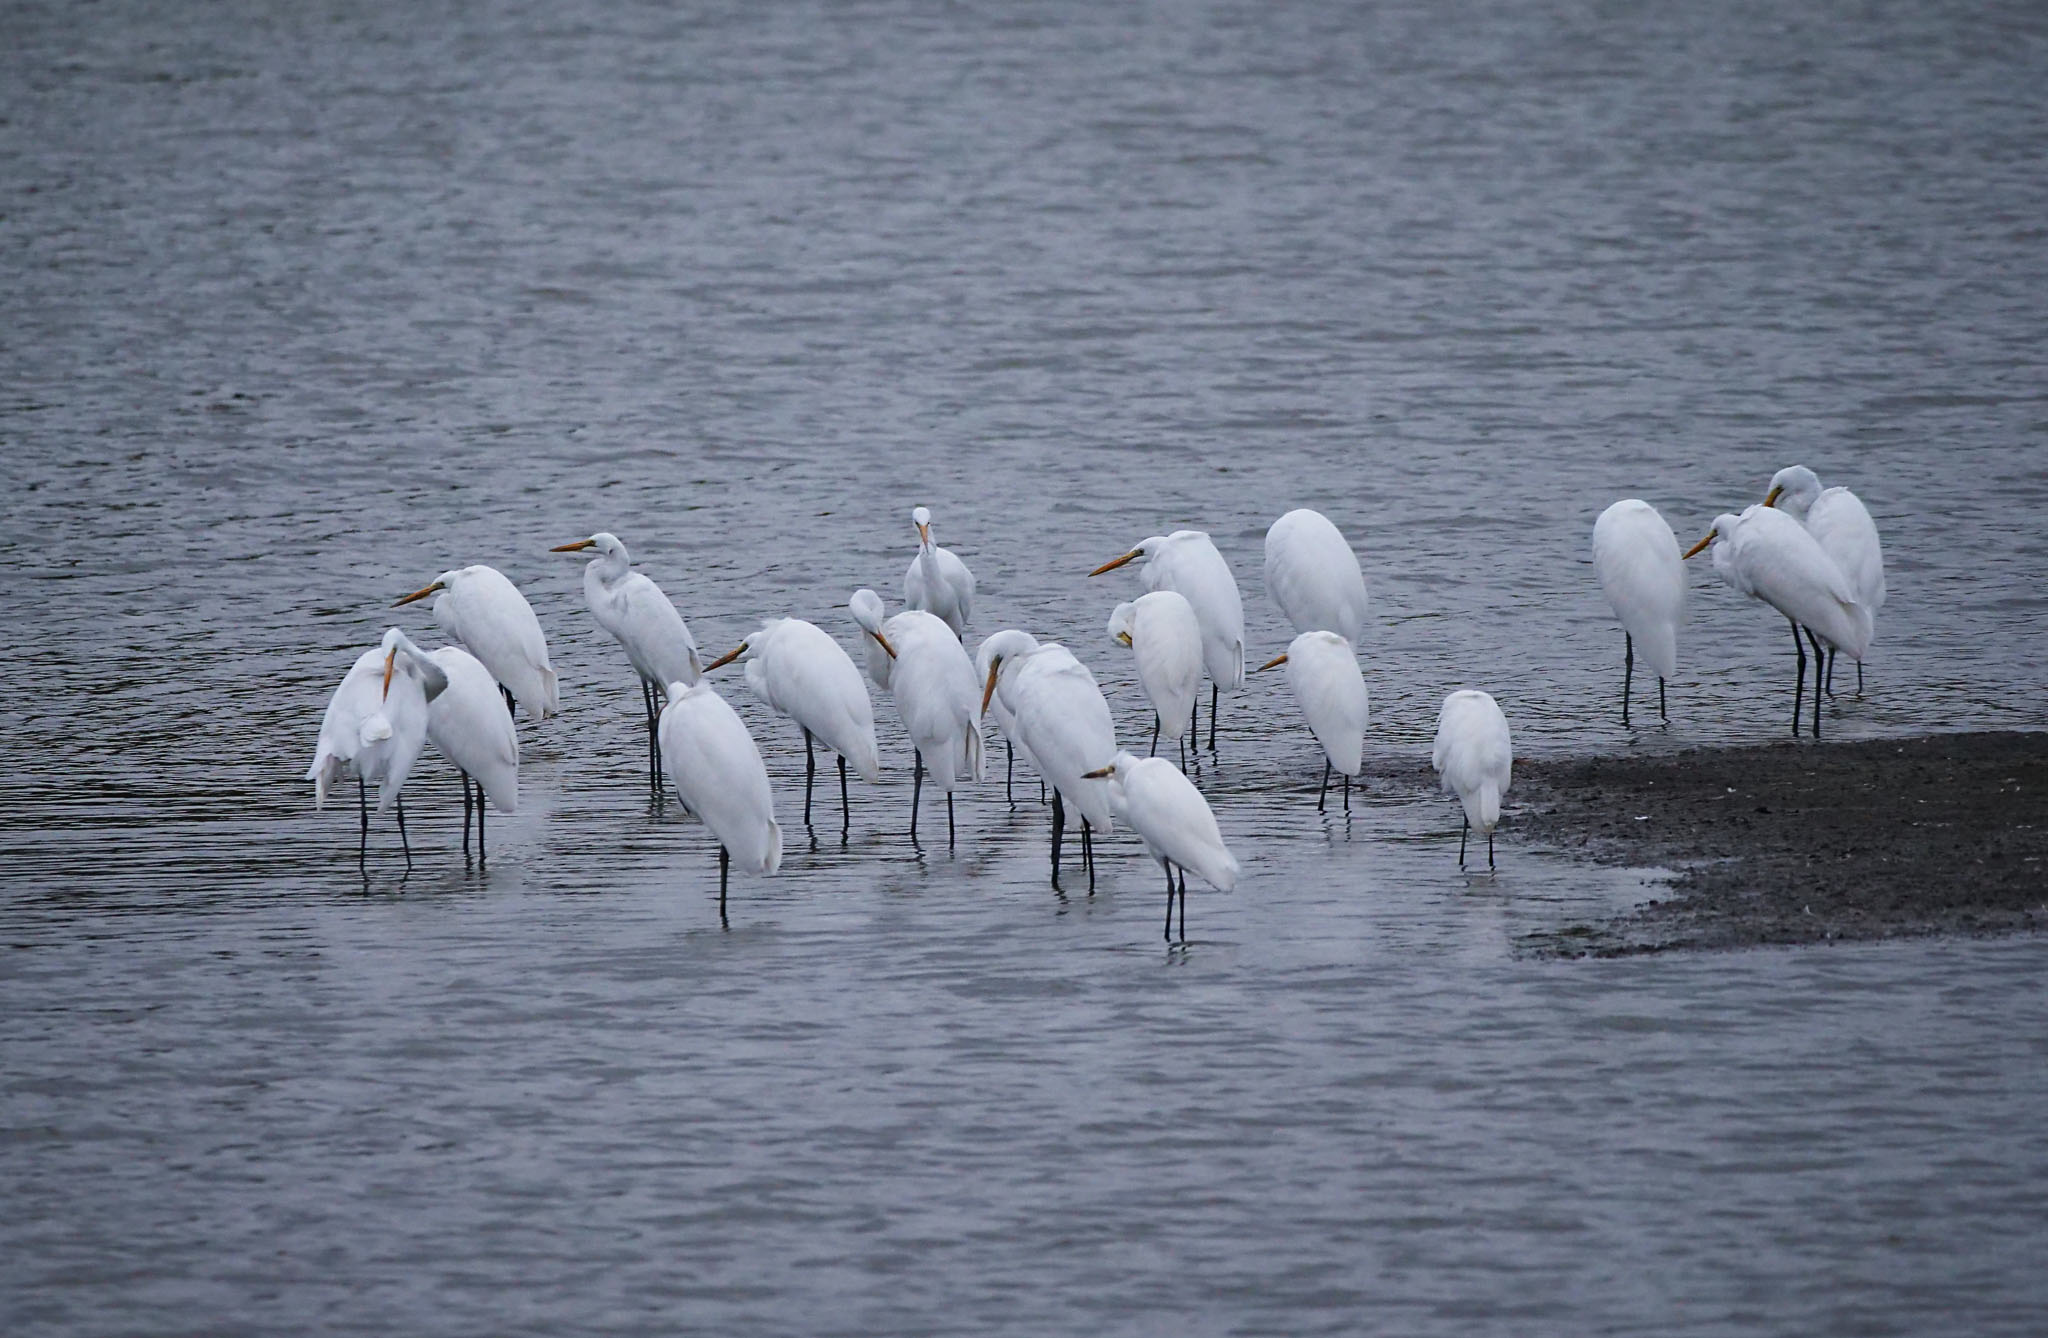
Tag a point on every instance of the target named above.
point(302, 306)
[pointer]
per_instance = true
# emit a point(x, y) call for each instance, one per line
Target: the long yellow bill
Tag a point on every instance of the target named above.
point(727, 658)
point(994, 667)
point(1279, 659)
point(421, 594)
point(390, 662)
point(1702, 543)
point(884, 643)
point(924, 534)
point(1100, 772)
point(1772, 500)
point(578, 546)
point(1112, 566)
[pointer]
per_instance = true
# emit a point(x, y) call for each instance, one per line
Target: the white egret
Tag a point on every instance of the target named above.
point(932, 682)
point(375, 729)
point(1166, 640)
point(868, 615)
point(1007, 723)
point(1187, 562)
point(1635, 555)
point(1173, 819)
point(801, 672)
point(488, 615)
point(1769, 556)
point(1065, 726)
point(1313, 575)
point(938, 582)
point(1323, 671)
point(717, 769)
point(644, 621)
point(1841, 525)
point(1474, 756)
point(468, 724)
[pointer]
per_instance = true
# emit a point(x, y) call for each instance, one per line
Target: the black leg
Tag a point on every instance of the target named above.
point(1859, 678)
point(482, 853)
point(1662, 714)
point(1323, 791)
point(949, 819)
point(1184, 751)
point(1831, 671)
point(1088, 853)
point(1463, 832)
point(1799, 693)
point(1059, 827)
point(1183, 879)
point(402, 838)
point(916, 793)
point(1194, 729)
point(845, 804)
point(1154, 752)
point(511, 706)
point(465, 815)
point(1169, 899)
point(810, 775)
point(363, 810)
point(1009, 769)
point(1212, 717)
point(724, 865)
point(1489, 850)
point(1347, 792)
point(1628, 672)
point(1819, 660)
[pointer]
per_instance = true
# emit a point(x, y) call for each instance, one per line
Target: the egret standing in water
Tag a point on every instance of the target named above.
point(644, 621)
point(938, 582)
point(1166, 640)
point(1187, 562)
point(1474, 756)
point(375, 729)
point(488, 615)
point(1841, 525)
point(932, 682)
point(801, 672)
point(717, 769)
point(1769, 556)
point(1313, 575)
point(1173, 819)
point(1007, 724)
point(1322, 669)
point(1635, 555)
point(1065, 725)
point(468, 724)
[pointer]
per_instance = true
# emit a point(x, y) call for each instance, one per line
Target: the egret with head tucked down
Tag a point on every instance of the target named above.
point(931, 680)
point(1313, 575)
point(1322, 669)
point(1635, 555)
point(801, 672)
point(1065, 725)
point(1474, 756)
point(716, 767)
point(375, 729)
point(1174, 821)
point(1841, 525)
point(1165, 639)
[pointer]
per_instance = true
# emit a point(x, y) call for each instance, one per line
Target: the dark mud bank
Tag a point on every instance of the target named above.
point(1805, 843)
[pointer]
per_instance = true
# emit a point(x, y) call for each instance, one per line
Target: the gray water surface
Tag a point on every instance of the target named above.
point(303, 305)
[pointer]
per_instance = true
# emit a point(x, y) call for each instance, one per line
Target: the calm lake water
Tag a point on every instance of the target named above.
point(301, 305)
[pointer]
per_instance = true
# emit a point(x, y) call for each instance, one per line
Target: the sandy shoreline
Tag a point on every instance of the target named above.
point(1788, 843)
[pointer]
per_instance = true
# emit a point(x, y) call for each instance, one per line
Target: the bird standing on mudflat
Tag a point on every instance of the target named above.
point(1635, 555)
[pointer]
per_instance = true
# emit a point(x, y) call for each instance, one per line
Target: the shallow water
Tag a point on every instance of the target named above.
point(303, 308)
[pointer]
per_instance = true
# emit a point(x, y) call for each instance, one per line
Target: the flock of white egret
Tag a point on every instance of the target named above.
point(1811, 554)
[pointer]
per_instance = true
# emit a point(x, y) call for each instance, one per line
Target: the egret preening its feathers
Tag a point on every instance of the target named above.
point(1322, 669)
point(1187, 562)
point(644, 621)
point(800, 671)
point(493, 621)
point(375, 729)
point(468, 724)
point(1769, 556)
point(929, 676)
point(1841, 525)
point(717, 769)
point(1474, 756)
point(1173, 819)
point(1313, 575)
point(938, 582)
point(1165, 638)
point(1635, 555)
point(1064, 724)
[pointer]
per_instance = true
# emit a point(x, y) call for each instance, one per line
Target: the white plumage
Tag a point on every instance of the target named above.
point(938, 582)
point(1323, 672)
point(1769, 556)
point(1187, 562)
point(931, 680)
point(801, 672)
point(376, 722)
point(1474, 757)
point(468, 724)
point(717, 769)
point(1313, 575)
point(1063, 723)
point(640, 617)
point(1841, 525)
point(1173, 819)
point(1635, 555)
point(868, 615)
point(487, 614)
point(1165, 639)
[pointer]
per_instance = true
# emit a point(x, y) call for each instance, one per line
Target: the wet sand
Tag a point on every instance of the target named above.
point(1804, 843)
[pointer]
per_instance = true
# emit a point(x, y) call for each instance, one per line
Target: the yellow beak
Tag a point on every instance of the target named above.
point(575, 547)
point(390, 662)
point(421, 594)
point(1100, 772)
point(993, 666)
point(924, 534)
point(884, 643)
point(1124, 638)
point(1772, 500)
point(1702, 543)
point(1281, 658)
point(1112, 566)
point(728, 657)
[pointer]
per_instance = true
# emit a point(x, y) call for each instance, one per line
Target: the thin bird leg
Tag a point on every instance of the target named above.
point(363, 810)
point(1859, 678)
point(1212, 717)
point(1799, 693)
point(1059, 827)
point(653, 734)
point(402, 839)
point(1088, 853)
point(845, 804)
point(916, 793)
point(1009, 770)
point(1662, 714)
point(1347, 792)
point(724, 864)
point(1169, 899)
point(810, 774)
point(1184, 751)
point(481, 853)
point(1819, 659)
point(1831, 670)
point(1183, 905)
point(1628, 672)
point(1195, 721)
point(465, 815)
point(1322, 791)
point(510, 704)
point(1154, 752)
point(949, 819)
point(1489, 850)
point(1463, 832)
